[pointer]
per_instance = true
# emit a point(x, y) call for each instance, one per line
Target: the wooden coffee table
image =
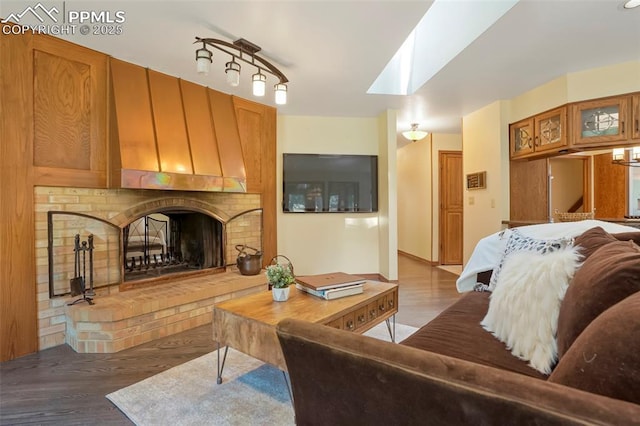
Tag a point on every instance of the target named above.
point(248, 324)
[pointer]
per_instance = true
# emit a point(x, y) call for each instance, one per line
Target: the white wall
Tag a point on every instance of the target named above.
point(326, 242)
point(485, 147)
point(579, 86)
point(414, 199)
point(388, 196)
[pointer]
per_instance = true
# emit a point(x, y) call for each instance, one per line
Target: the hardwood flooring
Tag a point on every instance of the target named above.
point(60, 386)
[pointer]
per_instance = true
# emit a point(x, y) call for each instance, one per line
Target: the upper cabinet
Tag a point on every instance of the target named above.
point(69, 113)
point(600, 122)
point(521, 138)
point(550, 130)
point(635, 116)
point(580, 126)
point(543, 133)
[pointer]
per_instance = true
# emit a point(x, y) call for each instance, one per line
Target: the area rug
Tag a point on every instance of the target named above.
point(252, 393)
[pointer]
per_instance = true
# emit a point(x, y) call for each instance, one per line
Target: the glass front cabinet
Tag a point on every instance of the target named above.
point(550, 130)
point(521, 138)
point(541, 133)
point(600, 122)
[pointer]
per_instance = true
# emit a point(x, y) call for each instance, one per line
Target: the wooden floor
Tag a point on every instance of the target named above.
point(59, 386)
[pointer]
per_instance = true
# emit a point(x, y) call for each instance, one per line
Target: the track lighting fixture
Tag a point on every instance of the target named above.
point(244, 51)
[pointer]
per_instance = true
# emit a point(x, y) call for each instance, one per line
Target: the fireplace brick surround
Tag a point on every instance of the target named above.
point(121, 319)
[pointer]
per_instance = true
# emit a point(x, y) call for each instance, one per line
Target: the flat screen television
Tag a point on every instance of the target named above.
point(327, 183)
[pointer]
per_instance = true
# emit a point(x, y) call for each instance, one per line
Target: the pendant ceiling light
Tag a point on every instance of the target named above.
point(414, 134)
point(244, 51)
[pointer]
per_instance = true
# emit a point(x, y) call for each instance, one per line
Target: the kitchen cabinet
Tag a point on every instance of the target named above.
point(521, 138)
point(550, 130)
point(543, 133)
point(600, 122)
point(609, 187)
point(69, 114)
point(529, 190)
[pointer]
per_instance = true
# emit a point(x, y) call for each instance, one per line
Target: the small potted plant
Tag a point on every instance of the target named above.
point(280, 277)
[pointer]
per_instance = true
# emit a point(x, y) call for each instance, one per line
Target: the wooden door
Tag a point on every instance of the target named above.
point(450, 207)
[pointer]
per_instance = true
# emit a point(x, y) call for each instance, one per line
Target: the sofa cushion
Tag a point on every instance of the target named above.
point(457, 332)
point(628, 236)
point(592, 239)
point(605, 358)
point(523, 312)
point(519, 242)
point(609, 275)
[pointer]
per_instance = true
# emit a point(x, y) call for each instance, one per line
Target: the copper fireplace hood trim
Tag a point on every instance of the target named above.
point(142, 179)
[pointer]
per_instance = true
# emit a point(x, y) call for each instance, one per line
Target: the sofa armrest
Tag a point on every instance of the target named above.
point(340, 378)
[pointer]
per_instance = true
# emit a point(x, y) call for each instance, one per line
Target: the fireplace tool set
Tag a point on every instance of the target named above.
point(78, 282)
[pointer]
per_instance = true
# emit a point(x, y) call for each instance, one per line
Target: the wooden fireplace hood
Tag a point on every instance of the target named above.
point(167, 133)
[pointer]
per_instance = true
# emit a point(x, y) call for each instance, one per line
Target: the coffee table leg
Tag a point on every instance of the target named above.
point(392, 329)
point(221, 367)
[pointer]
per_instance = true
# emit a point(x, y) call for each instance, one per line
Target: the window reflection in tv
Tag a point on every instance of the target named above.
point(317, 183)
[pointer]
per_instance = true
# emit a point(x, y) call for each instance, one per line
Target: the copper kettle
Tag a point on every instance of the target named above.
point(248, 264)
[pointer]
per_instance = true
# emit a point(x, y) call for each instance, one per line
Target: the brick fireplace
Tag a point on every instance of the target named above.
point(121, 317)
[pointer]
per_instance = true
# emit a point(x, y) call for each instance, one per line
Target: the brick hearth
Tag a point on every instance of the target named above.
point(138, 316)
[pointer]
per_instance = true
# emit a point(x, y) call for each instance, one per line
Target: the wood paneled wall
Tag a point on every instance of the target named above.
point(609, 187)
point(70, 114)
point(257, 129)
point(18, 318)
point(70, 149)
point(529, 190)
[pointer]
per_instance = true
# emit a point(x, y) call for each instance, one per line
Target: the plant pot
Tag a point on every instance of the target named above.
point(280, 294)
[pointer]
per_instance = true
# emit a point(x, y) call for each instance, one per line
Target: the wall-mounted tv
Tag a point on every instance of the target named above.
point(327, 183)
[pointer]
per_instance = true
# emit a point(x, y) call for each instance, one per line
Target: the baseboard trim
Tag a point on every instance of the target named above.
point(377, 277)
point(417, 259)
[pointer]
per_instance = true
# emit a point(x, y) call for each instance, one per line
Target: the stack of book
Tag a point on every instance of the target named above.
point(331, 286)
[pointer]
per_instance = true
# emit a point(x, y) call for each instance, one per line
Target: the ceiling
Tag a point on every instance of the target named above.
point(333, 51)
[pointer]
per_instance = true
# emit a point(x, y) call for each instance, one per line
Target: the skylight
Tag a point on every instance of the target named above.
point(448, 27)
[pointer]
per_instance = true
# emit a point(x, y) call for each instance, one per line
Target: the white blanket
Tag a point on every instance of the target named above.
point(488, 251)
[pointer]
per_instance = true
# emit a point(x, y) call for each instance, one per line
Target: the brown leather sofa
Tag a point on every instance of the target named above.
point(452, 371)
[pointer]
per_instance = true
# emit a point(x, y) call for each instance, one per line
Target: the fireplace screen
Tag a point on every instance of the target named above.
point(169, 242)
point(165, 242)
point(62, 230)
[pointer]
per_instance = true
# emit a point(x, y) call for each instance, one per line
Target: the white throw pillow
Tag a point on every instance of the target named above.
point(518, 242)
point(523, 308)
